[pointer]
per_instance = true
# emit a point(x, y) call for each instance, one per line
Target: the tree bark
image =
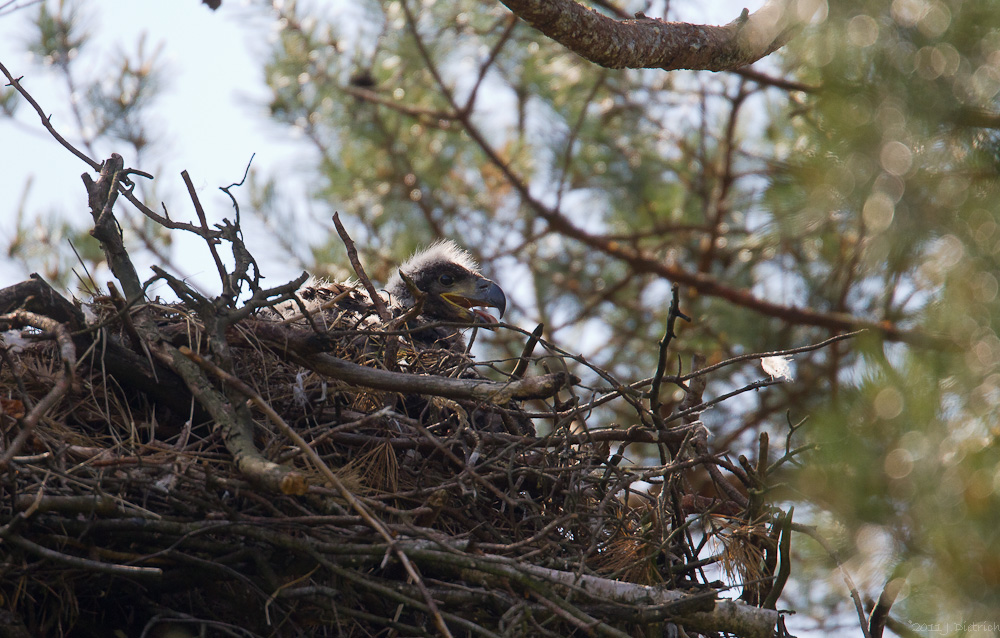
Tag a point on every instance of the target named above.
point(650, 43)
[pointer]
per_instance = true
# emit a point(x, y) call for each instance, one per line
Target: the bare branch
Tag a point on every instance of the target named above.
point(16, 83)
point(209, 238)
point(302, 347)
point(352, 254)
point(101, 196)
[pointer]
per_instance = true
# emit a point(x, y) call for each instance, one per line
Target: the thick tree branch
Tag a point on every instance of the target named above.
point(647, 43)
point(699, 612)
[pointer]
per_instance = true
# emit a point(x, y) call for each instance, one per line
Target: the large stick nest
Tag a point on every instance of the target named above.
point(202, 465)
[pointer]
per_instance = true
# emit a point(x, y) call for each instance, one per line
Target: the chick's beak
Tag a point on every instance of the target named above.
point(492, 295)
point(483, 293)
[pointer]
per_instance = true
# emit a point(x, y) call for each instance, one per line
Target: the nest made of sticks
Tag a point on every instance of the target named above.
point(208, 467)
point(124, 509)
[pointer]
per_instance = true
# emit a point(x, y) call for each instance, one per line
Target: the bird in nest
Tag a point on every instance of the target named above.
point(435, 295)
point(443, 280)
point(452, 290)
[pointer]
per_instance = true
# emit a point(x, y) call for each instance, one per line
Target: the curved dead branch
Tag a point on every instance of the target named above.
point(303, 347)
point(64, 378)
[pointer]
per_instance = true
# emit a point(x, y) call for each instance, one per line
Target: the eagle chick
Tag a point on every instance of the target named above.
point(452, 291)
point(452, 286)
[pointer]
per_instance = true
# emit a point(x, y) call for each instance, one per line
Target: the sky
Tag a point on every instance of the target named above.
point(210, 116)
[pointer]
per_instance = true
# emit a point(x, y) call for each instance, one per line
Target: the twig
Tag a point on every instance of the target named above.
point(77, 562)
point(700, 443)
point(227, 289)
point(764, 355)
point(661, 366)
point(693, 402)
point(352, 254)
point(812, 533)
point(488, 62)
point(615, 392)
point(529, 347)
point(164, 220)
point(101, 504)
point(46, 120)
point(10, 6)
point(225, 189)
point(754, 75)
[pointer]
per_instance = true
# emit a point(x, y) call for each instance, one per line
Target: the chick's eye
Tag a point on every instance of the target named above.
point(446, 280)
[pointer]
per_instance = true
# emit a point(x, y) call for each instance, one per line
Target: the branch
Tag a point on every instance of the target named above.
point(693, 611)
point(352, 254)
point(101, 196)
point(305, 348)
point(78, 562)
point(643, 262)
point(37, 296)
point(237, 435)
point(16, 83)
point(781, 83)
point(529, 346)
point(880, 613)
point(227, 284)
point(472, 389)
point(649, 43)
point(661, 367)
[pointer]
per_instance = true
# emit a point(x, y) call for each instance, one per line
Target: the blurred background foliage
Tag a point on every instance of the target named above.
point(853, 173)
